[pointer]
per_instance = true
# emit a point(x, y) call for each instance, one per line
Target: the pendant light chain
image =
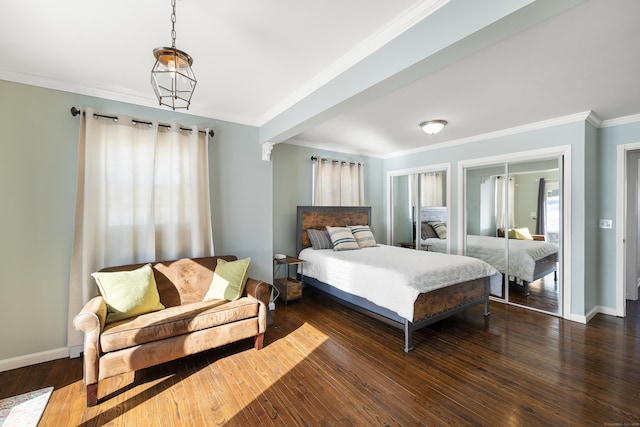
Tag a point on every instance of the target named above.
point(173, 24)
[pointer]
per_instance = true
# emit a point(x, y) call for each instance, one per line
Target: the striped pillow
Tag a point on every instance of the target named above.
point(363, 235)
point(342, 239)
point(440, 228)
point(427, 231)
point(319, 239)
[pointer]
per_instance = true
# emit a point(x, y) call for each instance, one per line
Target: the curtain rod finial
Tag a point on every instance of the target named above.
point(75, 111)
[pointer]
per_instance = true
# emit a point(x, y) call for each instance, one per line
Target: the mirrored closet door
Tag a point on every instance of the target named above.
point(513, 221)
point(418, 208)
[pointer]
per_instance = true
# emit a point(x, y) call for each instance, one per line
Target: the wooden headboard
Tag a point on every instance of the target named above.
point(318, 217)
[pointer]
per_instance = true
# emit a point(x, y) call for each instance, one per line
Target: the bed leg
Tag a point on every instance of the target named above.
point(486, 308)
point(408, 332)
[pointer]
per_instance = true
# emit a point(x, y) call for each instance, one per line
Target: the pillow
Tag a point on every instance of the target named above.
point(440, 228)
point(427, 231)
point(319, 239)
point(520, 233)
point(228, 280)
point(363, 235)
point(342, 239)
point(128, 293)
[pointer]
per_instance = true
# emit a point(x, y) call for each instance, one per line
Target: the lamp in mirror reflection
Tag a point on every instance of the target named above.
point(433, 126)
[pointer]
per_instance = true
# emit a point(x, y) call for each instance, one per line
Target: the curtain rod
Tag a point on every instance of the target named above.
point(314, 158)
point(75, 112)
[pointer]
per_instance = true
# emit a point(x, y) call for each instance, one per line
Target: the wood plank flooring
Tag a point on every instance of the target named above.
point(324, 364)
point(543, 295)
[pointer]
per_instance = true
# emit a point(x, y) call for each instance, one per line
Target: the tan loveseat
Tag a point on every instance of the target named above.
point(186, 326)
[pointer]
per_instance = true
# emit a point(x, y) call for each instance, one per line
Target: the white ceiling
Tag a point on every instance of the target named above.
point(256, 58)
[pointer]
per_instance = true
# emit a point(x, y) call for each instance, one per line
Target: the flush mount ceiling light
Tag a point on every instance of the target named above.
point(172, 78)
point(433, 126)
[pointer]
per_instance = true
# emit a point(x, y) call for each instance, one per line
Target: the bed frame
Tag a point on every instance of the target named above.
point(429, 307)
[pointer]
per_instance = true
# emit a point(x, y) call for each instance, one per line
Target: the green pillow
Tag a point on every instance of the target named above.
point(128, 293)
point(228, 280)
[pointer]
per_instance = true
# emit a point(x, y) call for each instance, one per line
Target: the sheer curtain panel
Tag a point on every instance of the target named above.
point(431, 188)
point(338, 183)
point(143, 195)
point(501, 201)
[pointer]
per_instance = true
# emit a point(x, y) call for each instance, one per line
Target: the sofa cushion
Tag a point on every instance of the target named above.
point(128, 293)
point(175, 321)
point(229, 279)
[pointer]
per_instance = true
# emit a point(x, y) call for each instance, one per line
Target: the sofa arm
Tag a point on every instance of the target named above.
point(259, 290)
point(91, 321)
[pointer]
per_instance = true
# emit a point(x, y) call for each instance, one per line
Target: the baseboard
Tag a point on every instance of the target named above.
point(592, 313)
point(607, 310)
point(577, 318)
point(32, 359)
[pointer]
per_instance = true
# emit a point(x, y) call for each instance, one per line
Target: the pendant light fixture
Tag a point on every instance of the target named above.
point(172, 77)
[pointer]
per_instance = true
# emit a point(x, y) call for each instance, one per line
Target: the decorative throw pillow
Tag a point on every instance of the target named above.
point(521, 233)
point(229, 279)
point(319, 239)
point(427, 231)
point(128, 293)
point(440, 228)
point(363, 235)
point(342, 238)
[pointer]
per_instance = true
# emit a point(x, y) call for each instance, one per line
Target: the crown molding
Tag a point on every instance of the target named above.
point(579, 117)
point(620, 121)
point(111, 95)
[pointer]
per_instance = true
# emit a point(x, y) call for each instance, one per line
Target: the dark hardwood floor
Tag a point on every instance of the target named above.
point(324, 364)
point(543, 294)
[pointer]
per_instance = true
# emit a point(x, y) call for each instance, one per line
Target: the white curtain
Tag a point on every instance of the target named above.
point(143, 195)
point(501, 202)
point(338, 183)
point(431, 188)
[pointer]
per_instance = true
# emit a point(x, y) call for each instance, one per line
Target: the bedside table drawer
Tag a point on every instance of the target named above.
point(289, 288)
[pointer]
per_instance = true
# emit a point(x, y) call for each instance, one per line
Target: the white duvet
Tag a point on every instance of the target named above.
point(389, 276)
point(523, 254)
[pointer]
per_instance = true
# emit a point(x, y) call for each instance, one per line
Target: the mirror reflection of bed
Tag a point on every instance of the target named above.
point(513, 216)
point(532, 265)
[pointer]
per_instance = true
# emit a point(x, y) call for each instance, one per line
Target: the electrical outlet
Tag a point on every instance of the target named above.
point(606, 223)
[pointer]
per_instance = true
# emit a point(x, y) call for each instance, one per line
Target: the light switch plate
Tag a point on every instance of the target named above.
point(606, 223)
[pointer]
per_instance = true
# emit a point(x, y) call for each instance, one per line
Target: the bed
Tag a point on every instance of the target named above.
point(529, 260)
point(406, 288)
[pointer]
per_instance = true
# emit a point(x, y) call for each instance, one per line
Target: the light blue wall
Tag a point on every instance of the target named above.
point(38, 168)
point(609, 139)
point(292, 188)
point(572, 134)
point(254, 202)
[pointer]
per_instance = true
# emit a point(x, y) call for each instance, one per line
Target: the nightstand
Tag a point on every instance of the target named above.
point(289, 286)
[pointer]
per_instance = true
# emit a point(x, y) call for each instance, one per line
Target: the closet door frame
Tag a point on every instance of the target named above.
point(441, 167)
point(524, 156)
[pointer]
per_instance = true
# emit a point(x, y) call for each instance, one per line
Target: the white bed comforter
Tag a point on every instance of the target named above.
point(389, 276)
point(523, 254)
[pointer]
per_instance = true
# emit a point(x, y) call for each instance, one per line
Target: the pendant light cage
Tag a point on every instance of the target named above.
point(172, 77)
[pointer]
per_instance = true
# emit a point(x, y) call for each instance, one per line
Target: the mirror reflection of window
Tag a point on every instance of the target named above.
point(552, 229)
